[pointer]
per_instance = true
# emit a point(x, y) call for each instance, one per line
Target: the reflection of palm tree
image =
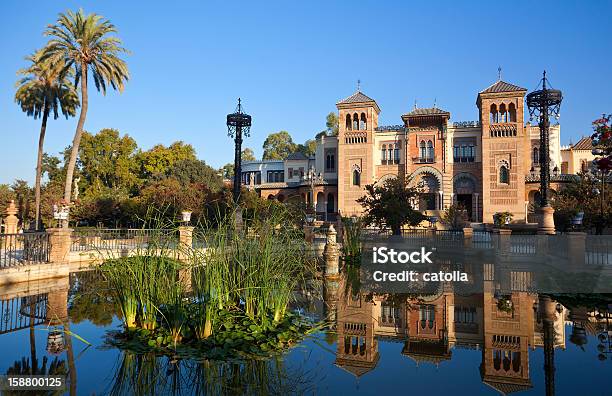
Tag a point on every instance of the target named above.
point(70, 356)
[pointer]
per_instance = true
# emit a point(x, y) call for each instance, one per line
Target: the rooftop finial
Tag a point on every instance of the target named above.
point(358, 85)
point(415, 104)
point(435, 102)
point(499, 70)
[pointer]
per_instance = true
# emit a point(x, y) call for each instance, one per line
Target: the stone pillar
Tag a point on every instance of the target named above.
point(11, 220)
point(546, 221)
point(441, 206)
point(185, 238)
point(468, 234)
point(57, 307)
point(309, 233)
point(503, 239)
point(576, 248)
point(330, 253)
point(239, 224)
point(477, 209)
point(59, 244)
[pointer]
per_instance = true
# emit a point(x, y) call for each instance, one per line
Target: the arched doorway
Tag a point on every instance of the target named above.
point(428, 199)
point(330, 206)
point(320, 206)
point(464, 188)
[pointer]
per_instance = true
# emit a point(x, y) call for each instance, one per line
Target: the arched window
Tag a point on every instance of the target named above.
point(512, 112)
point(396, 154)
point(493, 119)
point(503, 113)
point(363, 125)
point(536, 156)
point(430, 151)
point(330, 203)
point(504, 175)
point(355, 122)
point(356, 176)
point(423, 150)
point(348, 122)
point(383, 154)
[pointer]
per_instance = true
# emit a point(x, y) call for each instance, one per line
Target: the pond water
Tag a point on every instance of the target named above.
point(442, 343)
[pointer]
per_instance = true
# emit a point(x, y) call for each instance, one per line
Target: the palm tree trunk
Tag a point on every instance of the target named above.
point(41, 141)
point(77, 139)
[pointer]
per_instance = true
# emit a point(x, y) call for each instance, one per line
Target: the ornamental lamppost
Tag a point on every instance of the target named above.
point(312, 178)
point(542, 104)
point(237, 124)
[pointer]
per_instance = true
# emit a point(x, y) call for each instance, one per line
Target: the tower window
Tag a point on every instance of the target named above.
point(536, 156)
point(348, 122)
point(383, 154)
point(330, 160)
point(356, 176)
point(494, 115)
point(363, 125)
point(355, 122)
point(430, 151)
point(503, 113)
point(512, 112)
point(504, 175)
point(396, 154)
point(422, 151)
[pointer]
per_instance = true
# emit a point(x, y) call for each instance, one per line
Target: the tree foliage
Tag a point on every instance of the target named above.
point(331, 122)
point(83, 44)
point(159, 159)
point(248, 155)
point(390, 204)
point(108, 161)
point(278, 146)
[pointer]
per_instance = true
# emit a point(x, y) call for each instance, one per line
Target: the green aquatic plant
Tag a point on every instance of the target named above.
point(351, 244)
point(232, 294)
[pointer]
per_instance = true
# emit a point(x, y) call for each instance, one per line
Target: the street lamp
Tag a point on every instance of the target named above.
point(312, 178)
point(542, 104)
point(237, 124)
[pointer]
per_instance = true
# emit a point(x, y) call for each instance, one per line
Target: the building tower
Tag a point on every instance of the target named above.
point(358, 117)
point(504, 147)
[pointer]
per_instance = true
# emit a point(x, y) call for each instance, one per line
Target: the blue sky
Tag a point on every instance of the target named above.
point(292, 61)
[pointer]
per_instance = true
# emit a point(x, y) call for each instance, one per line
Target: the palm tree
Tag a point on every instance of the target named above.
point(83, 44)
point(44, 89)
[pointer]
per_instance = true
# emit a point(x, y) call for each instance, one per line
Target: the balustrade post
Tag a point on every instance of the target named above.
point(468, 235)
point(330, 253)
point(576, 248)
point(503, 239)
point(11, 220)
point(60, 240)
point(185, 240)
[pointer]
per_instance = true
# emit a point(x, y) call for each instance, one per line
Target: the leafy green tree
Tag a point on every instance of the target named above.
point(278, 146)
point(83, 43)
point(6, 195)
point(108, 161)
point(51, 166)
point(24, 203)
point(390, 204)
point(248, 155)
point(228, 171)
point(191, 171)
point(44, 89)
point(583, 195)
point(309, 148)
point(455, 217)
point(331, 122)
point(159, 159)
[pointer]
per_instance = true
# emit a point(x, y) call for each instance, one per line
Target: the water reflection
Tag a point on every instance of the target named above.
point(503, 327)
point(513, 340)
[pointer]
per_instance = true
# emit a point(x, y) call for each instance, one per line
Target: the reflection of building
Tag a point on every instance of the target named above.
point(490, 165)
point(431, 326)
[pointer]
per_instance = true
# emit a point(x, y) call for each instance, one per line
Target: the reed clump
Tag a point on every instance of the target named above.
point(228, 298)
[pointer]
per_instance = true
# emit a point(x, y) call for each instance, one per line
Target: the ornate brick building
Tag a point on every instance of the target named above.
point(490, 165)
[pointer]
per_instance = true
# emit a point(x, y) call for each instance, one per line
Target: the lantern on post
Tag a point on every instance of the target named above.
point(544, 103)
